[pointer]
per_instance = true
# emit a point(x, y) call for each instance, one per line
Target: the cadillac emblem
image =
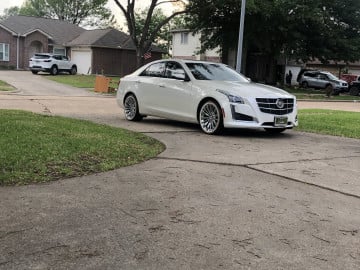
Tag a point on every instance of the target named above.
point(280, 103)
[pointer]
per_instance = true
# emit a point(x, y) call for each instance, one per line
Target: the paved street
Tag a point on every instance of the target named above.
point(244, 200)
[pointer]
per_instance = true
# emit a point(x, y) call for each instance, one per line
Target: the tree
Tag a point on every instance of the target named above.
point(80, 12)
point(145, 33)
point(11, 11)
point(162, 36)
point(302, 29)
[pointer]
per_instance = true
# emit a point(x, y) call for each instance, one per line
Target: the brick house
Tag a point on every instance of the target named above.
point(106, 51)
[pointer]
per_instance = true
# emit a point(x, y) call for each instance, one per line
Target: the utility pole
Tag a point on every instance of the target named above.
point(241, 36)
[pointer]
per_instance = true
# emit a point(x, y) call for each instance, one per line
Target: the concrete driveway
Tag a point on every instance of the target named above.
point(244, 200)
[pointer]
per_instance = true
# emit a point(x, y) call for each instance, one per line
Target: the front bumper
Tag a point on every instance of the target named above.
point(255, 114)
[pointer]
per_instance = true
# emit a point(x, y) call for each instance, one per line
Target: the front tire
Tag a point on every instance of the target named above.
point(54, 70)
point(131, 108)
point(329, 90)
point(73, 70)
point(354, 91)
point(34, 72)
point(210, 118)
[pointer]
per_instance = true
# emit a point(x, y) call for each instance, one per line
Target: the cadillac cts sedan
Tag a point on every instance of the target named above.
point(210, 94)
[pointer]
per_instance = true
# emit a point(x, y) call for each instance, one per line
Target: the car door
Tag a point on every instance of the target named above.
point(65, 62)
point(322, 80)
point(176, 92)
point(147, 90)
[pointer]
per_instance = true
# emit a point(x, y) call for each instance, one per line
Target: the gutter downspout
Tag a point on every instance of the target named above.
point(17, 51)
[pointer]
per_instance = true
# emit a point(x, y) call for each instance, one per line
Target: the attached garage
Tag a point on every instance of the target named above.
point(106, 51)
point(83, 60)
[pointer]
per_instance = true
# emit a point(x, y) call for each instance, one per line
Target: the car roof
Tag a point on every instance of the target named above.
point(184, 61)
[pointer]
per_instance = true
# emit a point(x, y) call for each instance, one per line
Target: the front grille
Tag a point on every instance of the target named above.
point(268, 105)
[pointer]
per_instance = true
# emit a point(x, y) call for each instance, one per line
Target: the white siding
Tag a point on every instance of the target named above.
point(192, 48)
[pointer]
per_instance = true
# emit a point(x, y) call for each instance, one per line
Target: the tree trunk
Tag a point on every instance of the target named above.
point(139, 57)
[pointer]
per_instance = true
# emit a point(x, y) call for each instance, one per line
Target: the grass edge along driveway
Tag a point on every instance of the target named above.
point(39, 148)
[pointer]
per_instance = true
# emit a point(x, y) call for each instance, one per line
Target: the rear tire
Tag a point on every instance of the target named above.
point(354, 91)
point(131, 108)
point(54, 70)
point(304, 85)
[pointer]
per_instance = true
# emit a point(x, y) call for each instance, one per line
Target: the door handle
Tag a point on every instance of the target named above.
point(162, 85)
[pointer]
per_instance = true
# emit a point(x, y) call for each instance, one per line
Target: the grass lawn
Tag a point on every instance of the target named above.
point(330, 122)
point(40, 148)
point(81, 81)
point(310, 93)
point(5, 86)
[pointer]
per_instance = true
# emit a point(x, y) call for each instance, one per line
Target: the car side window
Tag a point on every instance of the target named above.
point(175, 71)
point(310, 74)
point(155, 70)
point(65, 58)
point(57, 57)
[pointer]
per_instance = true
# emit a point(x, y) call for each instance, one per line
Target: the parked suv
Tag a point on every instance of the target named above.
point(323, 80)
point(52, 63)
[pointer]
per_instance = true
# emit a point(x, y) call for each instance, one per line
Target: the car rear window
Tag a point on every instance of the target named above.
point(41, 56)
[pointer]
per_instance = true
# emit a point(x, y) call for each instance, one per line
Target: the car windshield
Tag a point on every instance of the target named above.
point(331, 76)
point(214, 72)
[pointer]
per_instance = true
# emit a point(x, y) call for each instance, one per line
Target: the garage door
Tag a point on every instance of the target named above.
point(82, 59)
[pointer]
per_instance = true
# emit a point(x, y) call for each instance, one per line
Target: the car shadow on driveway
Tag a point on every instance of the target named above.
point(177, 126)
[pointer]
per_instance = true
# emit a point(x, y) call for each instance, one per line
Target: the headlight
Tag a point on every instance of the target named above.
point(232, 98)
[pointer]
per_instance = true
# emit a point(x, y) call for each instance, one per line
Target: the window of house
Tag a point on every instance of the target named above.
point(4, 52)
point(59, 51)
point(184, 38)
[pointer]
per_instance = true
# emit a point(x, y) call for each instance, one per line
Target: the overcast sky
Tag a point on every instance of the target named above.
point(111, 4)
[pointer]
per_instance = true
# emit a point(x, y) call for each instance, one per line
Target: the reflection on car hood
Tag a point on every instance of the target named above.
point(245, 89)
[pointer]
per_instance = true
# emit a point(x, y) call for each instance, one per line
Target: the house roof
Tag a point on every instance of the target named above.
point(100, 38)
point(59, 31)
point(106, 38)
point(67, 34)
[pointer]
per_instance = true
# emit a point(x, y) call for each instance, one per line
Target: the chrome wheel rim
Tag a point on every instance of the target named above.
point(130, 107)
point(209, 117)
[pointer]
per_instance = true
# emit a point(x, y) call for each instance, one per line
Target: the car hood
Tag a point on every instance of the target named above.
point(340, 81)
point(245, 89)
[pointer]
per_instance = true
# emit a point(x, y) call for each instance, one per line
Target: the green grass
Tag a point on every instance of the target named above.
point(39, 148)
point(5, 86)
point(81, 81)
point(330, 122)
point(313, 94)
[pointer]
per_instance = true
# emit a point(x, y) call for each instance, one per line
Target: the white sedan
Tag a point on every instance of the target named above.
point(211, 94)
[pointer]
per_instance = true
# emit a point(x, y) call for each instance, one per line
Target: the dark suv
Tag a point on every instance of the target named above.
point(323, 80)
point(354, 88)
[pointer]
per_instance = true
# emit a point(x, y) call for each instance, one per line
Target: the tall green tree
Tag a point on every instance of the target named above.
point(302, 29)
point(143, 34)
point(80, 12)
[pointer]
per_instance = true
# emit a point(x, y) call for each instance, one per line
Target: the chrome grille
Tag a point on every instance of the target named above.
point(269, 105)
